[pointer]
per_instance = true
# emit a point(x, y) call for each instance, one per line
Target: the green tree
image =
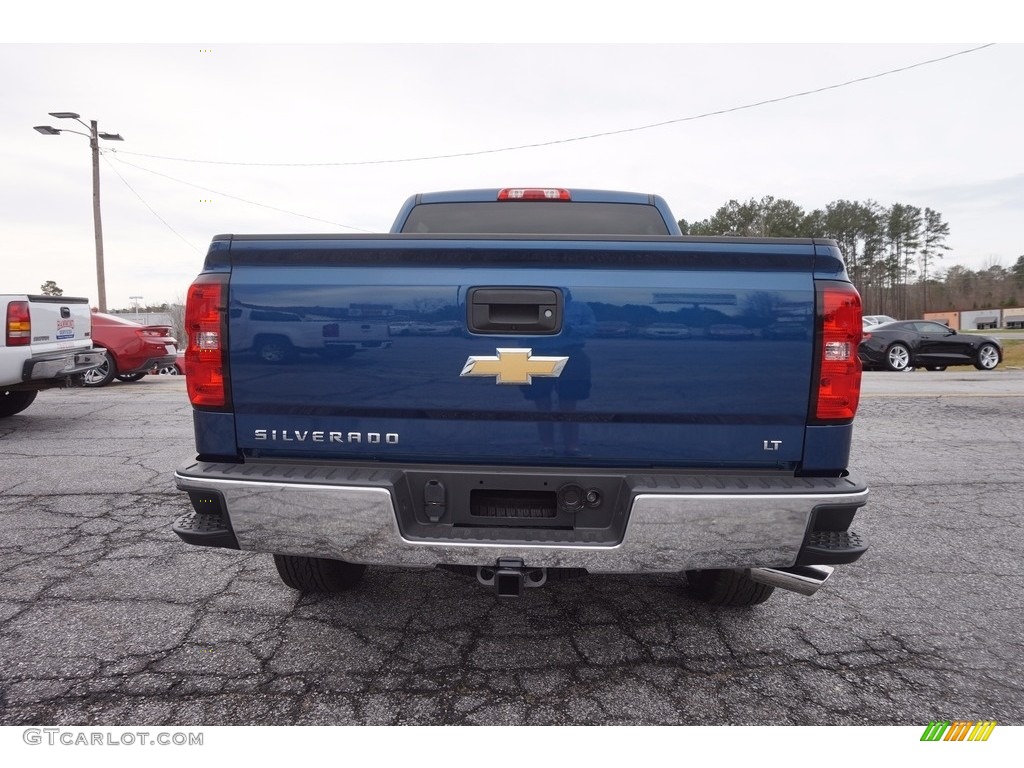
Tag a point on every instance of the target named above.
point(50, 288)
point(780, 218)
point(903, 239)
point(1018, 271)
point(767, 217)
point(855, 226)
point(933, 243)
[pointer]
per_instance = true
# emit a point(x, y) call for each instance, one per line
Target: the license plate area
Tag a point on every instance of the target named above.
point(540, 505)
point(529, 506)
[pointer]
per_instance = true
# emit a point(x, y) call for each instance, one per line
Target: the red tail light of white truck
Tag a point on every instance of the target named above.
point(19, 324)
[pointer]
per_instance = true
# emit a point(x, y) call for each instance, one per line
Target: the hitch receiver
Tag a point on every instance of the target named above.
point(510, 576)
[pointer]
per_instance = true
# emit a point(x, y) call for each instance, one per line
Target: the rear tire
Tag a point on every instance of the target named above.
point(935, 367)
point(101, 375)
point(12, 402)
point(727, 588)
point(897, 357)
point(317, 574)
point(130, 377)
point(988, 357)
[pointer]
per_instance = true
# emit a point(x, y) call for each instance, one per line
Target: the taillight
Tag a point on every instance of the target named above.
point(838, 390)
point(534, 193)
point(19, 324)
point(205, 356)
point(160, 332)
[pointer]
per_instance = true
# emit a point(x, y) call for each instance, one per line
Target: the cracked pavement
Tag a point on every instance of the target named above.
point(106, 618)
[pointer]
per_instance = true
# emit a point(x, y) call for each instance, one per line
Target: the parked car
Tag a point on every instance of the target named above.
point(442, 328)
point(613, 329)
point(666, 331)
point(133, 349)
point(870, 320)
point(730, 331)
point(906, 344)
point(786, 330)
point(177, 368)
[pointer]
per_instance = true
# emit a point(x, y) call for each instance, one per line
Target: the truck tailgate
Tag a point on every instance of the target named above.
point(667, 352)
point(59, 322)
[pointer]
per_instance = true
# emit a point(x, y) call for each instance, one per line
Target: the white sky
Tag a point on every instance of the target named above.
point(945, 136)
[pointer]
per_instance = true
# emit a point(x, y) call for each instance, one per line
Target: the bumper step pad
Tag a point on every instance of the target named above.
point(205, 530)
point(831, 548)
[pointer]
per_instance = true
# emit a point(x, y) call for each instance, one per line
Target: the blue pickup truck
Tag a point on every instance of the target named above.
point(570, 386)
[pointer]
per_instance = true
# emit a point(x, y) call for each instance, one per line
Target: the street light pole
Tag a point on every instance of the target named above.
point(101, 278)
point(94, 144)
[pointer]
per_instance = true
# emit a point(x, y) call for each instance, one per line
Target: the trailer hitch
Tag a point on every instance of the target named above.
point(510, 576)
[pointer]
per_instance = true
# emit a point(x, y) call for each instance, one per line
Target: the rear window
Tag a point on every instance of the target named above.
point(544, 218)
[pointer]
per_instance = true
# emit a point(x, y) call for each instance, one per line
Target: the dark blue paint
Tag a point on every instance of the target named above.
point(667, 366)
point(215, 433)
point(827, 448)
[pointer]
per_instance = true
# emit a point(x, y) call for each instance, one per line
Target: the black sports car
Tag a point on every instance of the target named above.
point(908, 344)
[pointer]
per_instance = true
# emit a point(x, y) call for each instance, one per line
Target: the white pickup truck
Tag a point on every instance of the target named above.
point(47, 342)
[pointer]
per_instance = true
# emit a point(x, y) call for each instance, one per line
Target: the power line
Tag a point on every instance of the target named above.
point(151, 210)
point(240, 199)
point(587, 137)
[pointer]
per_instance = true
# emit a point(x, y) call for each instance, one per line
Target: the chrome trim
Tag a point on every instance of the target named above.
point(665, 532)
point(805, 579)
point(70, 364)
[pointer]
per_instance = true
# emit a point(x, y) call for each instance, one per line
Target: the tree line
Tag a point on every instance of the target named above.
point(892, 252)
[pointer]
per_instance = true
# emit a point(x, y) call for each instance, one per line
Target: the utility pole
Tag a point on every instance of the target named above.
point(94, 136)
point(101, 278)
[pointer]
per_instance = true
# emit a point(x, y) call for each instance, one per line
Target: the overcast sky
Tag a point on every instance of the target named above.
point(946, 135)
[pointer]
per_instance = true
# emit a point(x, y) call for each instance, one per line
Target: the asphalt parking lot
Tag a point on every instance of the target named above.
point(107, 618)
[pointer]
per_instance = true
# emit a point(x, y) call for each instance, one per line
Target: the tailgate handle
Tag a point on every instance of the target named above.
point(515, 310)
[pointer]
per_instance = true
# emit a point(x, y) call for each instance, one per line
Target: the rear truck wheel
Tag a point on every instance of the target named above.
point(12, 402)
point(168, 370)
point(897, 357)
point(727, 588)
point(101, 375)
point(317, 574)
point(988, 357)
point(935, 367)
point(130, 377)
point(274, 349)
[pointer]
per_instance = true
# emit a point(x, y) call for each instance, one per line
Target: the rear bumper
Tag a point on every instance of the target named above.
point(61, 364)
point(150, 364)
point(671, 522)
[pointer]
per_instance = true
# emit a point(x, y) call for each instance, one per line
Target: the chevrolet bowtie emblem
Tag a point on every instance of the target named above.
point(514, 366)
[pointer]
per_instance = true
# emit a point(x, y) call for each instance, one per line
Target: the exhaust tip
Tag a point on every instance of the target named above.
point(804, 579)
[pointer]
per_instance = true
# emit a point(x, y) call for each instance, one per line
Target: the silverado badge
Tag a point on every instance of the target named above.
point(514, 366)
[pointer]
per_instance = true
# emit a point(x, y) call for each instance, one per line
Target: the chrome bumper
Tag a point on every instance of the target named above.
point(665, 532)
point(63, 364)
